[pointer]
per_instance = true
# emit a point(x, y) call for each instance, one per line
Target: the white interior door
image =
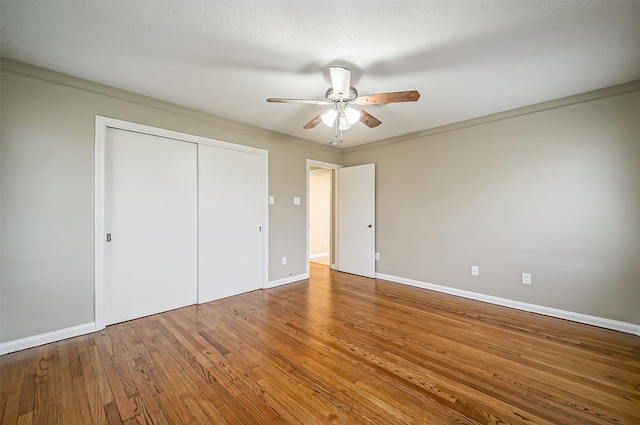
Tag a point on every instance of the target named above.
point(230, 221)
point(356, 219)
point(150, 264)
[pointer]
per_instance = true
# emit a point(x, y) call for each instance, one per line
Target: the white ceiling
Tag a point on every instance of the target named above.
point(467, 58)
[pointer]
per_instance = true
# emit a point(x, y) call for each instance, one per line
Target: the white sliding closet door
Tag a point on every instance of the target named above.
point(151, 204)
point(230, 222)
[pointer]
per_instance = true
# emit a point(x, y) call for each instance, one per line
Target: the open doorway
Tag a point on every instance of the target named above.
point(347, 197)
point(319, 215)
point(320, 227)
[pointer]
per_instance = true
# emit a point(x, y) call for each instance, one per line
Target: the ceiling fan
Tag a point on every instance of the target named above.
point(346, 103)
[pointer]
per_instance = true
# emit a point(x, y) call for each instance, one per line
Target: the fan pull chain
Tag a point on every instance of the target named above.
point(336, 127)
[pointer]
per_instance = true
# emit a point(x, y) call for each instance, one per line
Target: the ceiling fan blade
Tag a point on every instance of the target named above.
point(382, 98)
point(303, 101)
point(314, 122)
point(368, 119)
point(340, 80)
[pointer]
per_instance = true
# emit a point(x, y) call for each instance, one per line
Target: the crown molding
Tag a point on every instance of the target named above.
point(592, 96)
point(41, 74)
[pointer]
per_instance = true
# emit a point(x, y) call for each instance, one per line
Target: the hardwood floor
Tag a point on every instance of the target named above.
point(338, 349)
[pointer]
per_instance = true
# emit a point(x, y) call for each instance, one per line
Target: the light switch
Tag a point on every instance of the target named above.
point(272, 200)
point(296, 200)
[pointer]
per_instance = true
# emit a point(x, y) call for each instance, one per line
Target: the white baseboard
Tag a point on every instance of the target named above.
point(46, 338)
point(284, 281)
point(318, 255)
point(601, 322)
point(630, 328)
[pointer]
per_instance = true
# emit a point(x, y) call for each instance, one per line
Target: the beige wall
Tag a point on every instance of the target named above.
point(555, 193)
point(47, 190)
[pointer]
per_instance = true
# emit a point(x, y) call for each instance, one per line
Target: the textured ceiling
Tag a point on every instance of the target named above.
point(467, 58)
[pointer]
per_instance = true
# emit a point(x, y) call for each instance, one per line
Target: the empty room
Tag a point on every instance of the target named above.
point(298, 212)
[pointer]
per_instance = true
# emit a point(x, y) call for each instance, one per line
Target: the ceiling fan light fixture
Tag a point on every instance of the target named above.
point(352, 114)
point(343, 122)
point(329, 117)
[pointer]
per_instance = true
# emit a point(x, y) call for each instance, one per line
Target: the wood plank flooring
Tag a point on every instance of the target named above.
point(338, 349)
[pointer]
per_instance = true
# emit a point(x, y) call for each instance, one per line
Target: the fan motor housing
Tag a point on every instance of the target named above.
point(331, 96)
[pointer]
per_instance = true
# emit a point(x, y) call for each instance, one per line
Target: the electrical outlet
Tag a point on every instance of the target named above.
point(377, 256)
point(475, 271)
point(526, 278)
point(284, 261)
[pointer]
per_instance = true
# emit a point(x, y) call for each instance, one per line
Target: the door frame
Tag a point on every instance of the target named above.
point(332, 224)
point(101, 126)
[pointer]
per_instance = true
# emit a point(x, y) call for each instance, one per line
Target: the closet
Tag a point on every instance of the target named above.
point(183, 222)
